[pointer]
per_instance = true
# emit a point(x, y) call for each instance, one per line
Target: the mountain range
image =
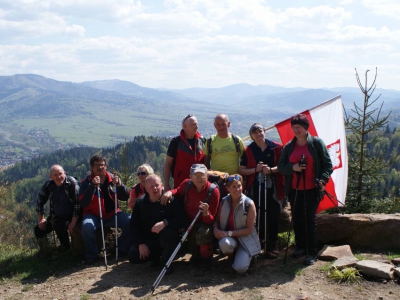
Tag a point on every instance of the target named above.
point(106, 112)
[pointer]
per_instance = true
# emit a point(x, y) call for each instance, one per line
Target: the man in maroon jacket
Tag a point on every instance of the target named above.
point(184, 150)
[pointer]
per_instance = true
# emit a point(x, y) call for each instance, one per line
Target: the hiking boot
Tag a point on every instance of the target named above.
point(309, 260)
point(206, 263)
point(298, 253)
point(271, 250)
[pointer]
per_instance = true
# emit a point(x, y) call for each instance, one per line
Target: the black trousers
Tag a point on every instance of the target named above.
point(161, 248)
point(59, 225)
point(271, 226)
point(304, 208)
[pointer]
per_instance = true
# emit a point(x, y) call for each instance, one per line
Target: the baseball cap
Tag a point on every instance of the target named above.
point(196, 168)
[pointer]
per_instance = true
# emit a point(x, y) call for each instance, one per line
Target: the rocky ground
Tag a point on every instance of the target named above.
point(268, 279)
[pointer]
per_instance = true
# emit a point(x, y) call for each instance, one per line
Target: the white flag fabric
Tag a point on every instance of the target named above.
point(327, 122)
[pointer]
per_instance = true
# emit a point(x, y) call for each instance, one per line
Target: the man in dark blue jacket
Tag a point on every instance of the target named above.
point(155, 227)
point(62, 192)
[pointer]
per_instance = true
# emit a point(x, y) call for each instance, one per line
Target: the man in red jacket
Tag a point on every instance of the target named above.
point(198, 194)
point(184, 150)
point(103, 181)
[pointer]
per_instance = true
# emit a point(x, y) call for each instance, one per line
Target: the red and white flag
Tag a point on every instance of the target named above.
point(327, 122)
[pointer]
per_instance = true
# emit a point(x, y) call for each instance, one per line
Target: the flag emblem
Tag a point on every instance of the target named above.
point(335, 154)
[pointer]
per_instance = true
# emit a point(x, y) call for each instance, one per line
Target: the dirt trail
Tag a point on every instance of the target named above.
point(267, 280)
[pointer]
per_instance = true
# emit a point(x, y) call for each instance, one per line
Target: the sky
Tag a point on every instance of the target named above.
point(203, 43)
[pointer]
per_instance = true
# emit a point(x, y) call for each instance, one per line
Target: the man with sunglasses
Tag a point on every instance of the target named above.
point(184, 150)
point(100, 182)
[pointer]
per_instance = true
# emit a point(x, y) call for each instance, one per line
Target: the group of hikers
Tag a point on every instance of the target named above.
point(231, 194)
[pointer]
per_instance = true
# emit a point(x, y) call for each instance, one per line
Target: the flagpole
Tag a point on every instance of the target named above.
point(315, 107)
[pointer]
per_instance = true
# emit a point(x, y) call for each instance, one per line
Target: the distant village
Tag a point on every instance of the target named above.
point(35, 142)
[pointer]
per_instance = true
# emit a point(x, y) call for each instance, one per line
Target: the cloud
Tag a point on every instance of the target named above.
point(178, 43)
point(23, 24)
point(389, 8)
point(314, 20)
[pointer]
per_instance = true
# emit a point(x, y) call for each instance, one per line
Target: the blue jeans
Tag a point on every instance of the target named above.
point(90, 224)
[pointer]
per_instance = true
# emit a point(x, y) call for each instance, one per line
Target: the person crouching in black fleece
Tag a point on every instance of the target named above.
point(155, 227)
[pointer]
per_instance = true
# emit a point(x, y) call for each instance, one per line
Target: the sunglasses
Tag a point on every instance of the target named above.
point(256, 129)
point(233, 177)
point(187, 117)
point(99, 165)
point(141, 173)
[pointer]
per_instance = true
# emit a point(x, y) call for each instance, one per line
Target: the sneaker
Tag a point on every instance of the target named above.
point(309, 260)
point(298, 253)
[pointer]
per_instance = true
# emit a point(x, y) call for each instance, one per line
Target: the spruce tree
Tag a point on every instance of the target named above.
point(365, 128)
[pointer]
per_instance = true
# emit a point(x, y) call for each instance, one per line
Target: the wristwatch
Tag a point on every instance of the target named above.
point(229, 233)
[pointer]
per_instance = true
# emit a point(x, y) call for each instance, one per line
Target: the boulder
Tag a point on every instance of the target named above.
point(397, 272)
point(331, 253)
point(375, 269)
point(396, 261)
point(345, 262)
point(79, 246)
point(375, 232)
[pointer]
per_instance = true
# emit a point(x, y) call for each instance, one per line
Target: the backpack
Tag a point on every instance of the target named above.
point(235, 140)
point(209, 193)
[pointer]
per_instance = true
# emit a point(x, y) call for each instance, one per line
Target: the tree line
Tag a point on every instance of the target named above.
point(373, 180)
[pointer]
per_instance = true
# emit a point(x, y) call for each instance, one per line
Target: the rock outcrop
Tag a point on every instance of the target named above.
point(374, 232)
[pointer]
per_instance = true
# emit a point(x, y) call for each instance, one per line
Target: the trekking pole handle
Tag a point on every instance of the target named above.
point(261, 167)
point(319, 183)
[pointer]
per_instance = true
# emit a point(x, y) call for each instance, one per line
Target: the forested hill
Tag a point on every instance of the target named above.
point(124, 158)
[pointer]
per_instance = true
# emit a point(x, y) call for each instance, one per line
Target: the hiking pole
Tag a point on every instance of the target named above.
point(259, 201)
point(291, 219)
point(158, 280)
point(265, 213)
point(116, 223)
point(305, 209)
point(330, 196)
point(102, 228)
